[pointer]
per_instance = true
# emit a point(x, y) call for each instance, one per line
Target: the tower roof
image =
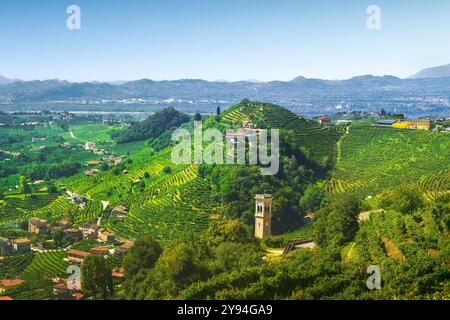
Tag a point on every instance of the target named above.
point(263, 196)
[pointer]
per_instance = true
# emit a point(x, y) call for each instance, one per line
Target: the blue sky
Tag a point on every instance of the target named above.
point(220, 39)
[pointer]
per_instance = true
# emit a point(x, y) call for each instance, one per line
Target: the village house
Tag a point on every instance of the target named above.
point(63, 292)
point(38, 139)
point(324, 120)
point(89, 146)
point(8, 284)
point(118, 274)
point(92, 163)
point(106, 236)
point(123, 249)
point(72, 235)
point(89, 230)
point(119, 212)
point(61, 225)
point(22, 245)
point(77, 256)
point(38, 226)
point(81, 201)
point(92, 173)
point(102, 251)
point(6, 298)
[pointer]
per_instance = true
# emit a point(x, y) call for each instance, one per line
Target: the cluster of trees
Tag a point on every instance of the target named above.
point(226, 262)
point(152, 127)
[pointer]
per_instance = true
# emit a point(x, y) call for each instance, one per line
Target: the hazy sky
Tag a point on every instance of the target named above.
point(220, 39)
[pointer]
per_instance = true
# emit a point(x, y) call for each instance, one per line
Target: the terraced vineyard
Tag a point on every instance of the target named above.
point(391, 236)
point(18, 207)
point(372, 159)
point(49, 264)
point(13, 266)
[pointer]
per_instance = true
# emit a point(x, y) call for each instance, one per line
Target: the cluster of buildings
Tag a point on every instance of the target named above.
point(91, 147)
point(77, 256)
point(15, 246)
point(75, 198)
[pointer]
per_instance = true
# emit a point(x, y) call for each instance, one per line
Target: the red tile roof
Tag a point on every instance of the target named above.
point(11, 283)
point(6, 298)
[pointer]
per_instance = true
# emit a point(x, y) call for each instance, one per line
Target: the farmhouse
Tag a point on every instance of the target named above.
point(38, 226)
point(22, 245)
point(72, 235)
point(77, 256)
point(88, 230)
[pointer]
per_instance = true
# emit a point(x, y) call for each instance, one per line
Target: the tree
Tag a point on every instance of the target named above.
point(405, 199)
point(227, 231)
point(167, 170)
point(174, 271)
point(2, 196)
point(146, 175)
point(143, 255)
point(96, 277)
point(52, 188)
point(24, 185)
point(218, 111)
point(198, 117)
point(312, 199)
point(104, 166)
point(57, 236)
point(338, 221)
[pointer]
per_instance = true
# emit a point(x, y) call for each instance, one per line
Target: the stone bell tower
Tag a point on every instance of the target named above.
point(263, 216)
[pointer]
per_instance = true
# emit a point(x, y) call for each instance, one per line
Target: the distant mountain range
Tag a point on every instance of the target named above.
point(435, 72)
point(429, 90)
point(361, 87)
point(4, 80)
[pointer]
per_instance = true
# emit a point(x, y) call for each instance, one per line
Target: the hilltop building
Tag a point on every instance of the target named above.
point(263, 216)
point(325, 120)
